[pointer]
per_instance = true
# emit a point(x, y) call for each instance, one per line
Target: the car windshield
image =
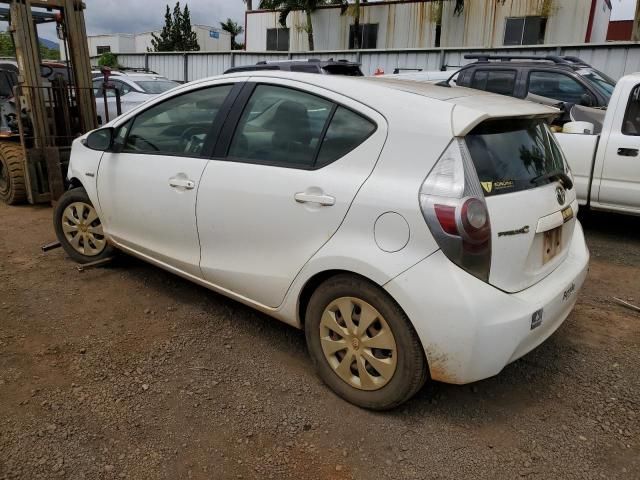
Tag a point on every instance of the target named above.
point(599, 80)
point(513, 154)
point(156, 86)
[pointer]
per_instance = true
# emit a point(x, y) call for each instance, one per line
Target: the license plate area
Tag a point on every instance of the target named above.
point(552, 244)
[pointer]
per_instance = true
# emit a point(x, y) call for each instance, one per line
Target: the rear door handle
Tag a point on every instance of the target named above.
point(322, 199)
point(628, 152)
point(182, 183)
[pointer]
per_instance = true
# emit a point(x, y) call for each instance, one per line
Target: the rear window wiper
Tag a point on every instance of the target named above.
point(560, 175)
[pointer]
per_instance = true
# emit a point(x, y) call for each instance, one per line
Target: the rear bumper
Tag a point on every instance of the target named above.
point(471, 330)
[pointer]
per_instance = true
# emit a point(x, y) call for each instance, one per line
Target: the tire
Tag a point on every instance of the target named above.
point(79, 229)
point(12, 183)
point(387, 390)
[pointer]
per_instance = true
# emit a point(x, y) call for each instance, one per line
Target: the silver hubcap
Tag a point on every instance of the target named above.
point(358, 343)
point(82, 229)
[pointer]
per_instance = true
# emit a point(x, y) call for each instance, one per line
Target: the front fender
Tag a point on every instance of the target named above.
point(83, 169)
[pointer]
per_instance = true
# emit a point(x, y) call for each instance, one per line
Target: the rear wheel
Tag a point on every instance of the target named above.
point(79, 229)
point(362, 344)
point(12, 184)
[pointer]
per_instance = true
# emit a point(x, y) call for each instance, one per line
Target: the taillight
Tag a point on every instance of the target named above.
point(455, 210)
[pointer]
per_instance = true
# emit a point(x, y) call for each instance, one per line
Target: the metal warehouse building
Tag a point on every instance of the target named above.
point(210, 39)
point(429, 23)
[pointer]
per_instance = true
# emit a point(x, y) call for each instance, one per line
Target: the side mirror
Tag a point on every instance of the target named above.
point(586, 100)
point(100, 140)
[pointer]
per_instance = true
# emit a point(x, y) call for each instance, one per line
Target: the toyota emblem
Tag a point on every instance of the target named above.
point(560, 195)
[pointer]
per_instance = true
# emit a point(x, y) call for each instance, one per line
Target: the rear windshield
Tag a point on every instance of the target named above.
point(511, 155)
point(348, 70)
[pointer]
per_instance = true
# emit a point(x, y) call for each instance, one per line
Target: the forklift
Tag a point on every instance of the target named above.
point(44, 111)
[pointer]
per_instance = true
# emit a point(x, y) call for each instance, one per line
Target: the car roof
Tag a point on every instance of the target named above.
point(136, 78)
point(284, 64)
point(473, 106)
point(143, 76)
point(529, 63)
point(312, 61)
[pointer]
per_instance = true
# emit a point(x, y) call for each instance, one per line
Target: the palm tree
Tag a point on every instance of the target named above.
point(353, 9)
point(234, 29)
point(287, 6)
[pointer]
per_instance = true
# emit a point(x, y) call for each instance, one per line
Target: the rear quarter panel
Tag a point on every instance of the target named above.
point(418, 132)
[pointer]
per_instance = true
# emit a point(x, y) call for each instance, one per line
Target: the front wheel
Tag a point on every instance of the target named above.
point(362, 344)
point(79, 229)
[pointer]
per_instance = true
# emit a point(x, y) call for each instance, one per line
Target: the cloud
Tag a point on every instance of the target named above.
point(135, 16)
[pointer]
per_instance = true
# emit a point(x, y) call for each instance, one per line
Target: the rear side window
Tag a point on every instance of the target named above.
point(6, 85)
point(511, 155)
point(346, 131)
point(122, 87)
point(280, 126)
point(495, 81)
point(631, 122)
point(557, 86)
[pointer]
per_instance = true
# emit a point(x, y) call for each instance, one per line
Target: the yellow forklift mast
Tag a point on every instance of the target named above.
point(50, 112)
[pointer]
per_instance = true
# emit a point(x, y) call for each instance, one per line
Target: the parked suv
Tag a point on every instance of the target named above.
point(312, 65)
point(564, 79)
point(411, 233)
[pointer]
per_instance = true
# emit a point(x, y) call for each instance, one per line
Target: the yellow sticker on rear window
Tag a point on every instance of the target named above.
point(488, 186)
point(503, 184)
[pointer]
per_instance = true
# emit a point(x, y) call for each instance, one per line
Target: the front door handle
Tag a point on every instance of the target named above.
point(185, 183)
point(320, 198)
point(628, 152)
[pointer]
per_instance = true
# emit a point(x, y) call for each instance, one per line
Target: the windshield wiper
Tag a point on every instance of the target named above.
point(559, 175)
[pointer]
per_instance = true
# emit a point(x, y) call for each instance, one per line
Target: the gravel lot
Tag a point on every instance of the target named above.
point(130, 372)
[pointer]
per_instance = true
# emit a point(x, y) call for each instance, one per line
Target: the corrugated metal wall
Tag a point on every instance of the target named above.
point(413, 24)
point(614, 59)
point(400, 25)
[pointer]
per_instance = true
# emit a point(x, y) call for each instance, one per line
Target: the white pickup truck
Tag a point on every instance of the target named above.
point(605, 161)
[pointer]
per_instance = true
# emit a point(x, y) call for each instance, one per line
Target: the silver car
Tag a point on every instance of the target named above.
point(134, 90)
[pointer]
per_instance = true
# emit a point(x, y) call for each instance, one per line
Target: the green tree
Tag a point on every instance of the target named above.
point(309, 6)
point(49, 53)
point(7, 49)
point(163, 42)
point(353, 10)
point(6, 45)
point(177, 34)
point(234, 29)
point(108, 59)
point(187, 40)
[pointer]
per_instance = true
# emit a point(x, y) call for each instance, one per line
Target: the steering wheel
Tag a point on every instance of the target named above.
point(133, 139)
point(189, 133)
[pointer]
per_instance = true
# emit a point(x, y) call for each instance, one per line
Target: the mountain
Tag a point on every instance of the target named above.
point(49, 44)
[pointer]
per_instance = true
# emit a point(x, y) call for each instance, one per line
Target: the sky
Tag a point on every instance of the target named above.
point(135, 16)
point(623, 9)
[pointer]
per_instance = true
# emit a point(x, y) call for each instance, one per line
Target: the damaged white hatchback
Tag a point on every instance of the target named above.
point(413, 231)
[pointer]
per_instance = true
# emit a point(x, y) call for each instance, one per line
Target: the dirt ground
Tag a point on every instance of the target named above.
point(130, 372)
